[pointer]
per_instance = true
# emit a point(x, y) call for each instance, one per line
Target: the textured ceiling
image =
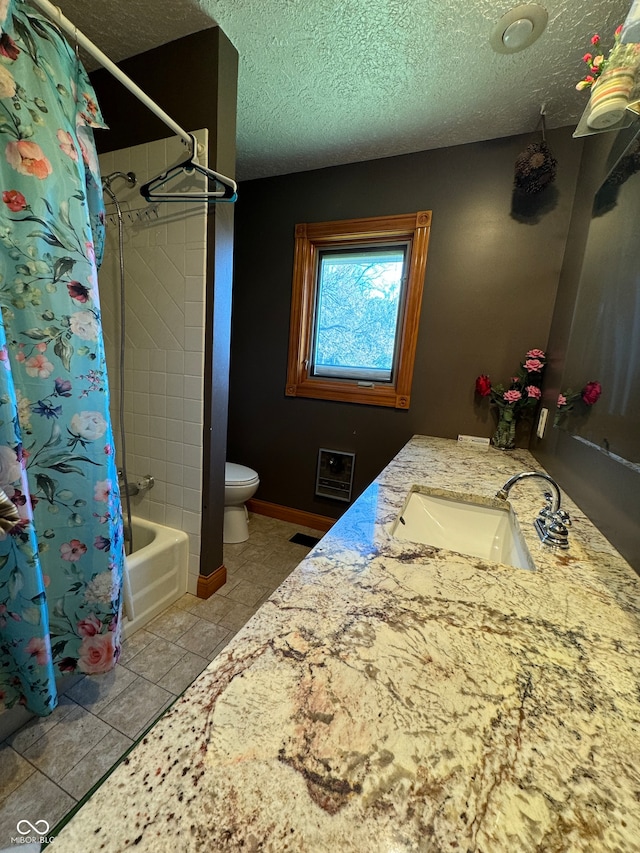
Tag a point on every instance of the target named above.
point(324, 82)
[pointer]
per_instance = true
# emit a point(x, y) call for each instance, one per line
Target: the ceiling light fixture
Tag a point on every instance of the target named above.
point(518, 28)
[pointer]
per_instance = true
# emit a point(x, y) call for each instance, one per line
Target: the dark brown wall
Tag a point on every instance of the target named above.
point(194, 80)
point(491, 281)
point(181, 76)
point(607, 491)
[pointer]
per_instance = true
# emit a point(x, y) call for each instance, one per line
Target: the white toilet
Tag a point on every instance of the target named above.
point(240, 484)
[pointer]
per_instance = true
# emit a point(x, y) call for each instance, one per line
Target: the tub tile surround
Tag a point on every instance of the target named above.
point(165, 263)
point(51, 762)
point(391, 696)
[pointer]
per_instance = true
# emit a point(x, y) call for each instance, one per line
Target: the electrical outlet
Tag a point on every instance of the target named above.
point(542, 422)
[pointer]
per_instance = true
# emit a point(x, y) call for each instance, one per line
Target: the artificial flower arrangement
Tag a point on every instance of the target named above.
point(584, 399)
point(596, 63)
point(611, 80)
point(517, 400)
point(620, 55)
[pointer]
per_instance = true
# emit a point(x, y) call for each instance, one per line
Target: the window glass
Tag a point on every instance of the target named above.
point(359, 295)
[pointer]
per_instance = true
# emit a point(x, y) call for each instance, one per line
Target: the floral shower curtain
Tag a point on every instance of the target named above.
point(61, 564)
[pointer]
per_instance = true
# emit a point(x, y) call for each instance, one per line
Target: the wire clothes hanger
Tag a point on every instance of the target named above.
point(227, 187)
point(229, 191)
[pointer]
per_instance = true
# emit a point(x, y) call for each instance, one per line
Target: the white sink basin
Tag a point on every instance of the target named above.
point(478, 527)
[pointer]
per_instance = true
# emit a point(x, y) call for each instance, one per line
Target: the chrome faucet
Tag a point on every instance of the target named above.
point(504, 491)
point(142, 484)
point(552, 522)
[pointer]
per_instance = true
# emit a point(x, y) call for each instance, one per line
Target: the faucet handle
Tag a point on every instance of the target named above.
point(556, 529)
point(551, 529)
point(557, 534)
point(564, 517)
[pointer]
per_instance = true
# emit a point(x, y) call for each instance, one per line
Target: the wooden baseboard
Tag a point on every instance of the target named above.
point(208, 584)
point(295, 516)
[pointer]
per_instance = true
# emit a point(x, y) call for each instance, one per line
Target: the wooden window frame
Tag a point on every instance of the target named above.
point(310, 238)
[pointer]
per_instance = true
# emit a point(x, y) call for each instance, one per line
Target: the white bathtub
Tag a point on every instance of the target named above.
point(157, 570)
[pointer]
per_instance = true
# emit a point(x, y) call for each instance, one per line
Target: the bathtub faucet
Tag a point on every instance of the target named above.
point(552, 522)
point(141, 485)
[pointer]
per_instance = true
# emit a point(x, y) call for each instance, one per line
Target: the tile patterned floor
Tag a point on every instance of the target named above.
point(52, 762)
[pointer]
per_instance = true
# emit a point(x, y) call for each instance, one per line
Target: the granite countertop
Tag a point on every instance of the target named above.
point(393, 697)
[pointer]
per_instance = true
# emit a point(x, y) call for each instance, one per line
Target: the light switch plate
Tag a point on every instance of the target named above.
point(542, 422)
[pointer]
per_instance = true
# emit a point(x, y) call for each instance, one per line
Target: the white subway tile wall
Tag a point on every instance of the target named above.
point(165, 261)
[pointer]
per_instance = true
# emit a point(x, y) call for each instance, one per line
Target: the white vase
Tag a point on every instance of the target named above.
point(610, 97)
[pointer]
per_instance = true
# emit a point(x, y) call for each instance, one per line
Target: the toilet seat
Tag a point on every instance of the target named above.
point(239, 475)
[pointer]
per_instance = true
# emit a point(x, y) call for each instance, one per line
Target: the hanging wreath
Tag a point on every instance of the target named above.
point(535, 166)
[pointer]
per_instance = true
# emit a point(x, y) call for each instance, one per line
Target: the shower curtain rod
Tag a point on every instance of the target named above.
point(55, 14)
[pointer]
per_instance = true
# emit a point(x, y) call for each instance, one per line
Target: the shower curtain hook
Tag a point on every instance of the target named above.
point(75, 30)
